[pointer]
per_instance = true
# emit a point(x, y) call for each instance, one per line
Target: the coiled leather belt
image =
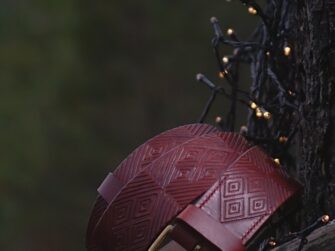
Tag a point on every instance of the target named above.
point(202, 188)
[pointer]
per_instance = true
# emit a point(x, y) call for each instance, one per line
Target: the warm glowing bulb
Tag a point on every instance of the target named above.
point(225, 60)
point(218, 120)
point(243, 130)
point(197, 248)
point(325, 218)
point(272, 243)
point(222, 74)
point(287, 51)
point(267, 115)
point(291, 93)
point(259, 113)
point(283, 139)
point(252, 10)
point(230, 32)
point(268, 53)
point(277, 161)
point(253, 105)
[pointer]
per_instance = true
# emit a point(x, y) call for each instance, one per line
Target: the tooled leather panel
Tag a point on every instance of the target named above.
point(159, 179)
point(141, 157)
point(161, 190)
point(248, 193)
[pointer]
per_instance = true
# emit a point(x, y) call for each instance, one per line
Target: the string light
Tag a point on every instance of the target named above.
point(252, 10)
point(230, 32)
point(291, 93)
point(267, 115)
point(244, 130)
point(218, 120)
point(197, 248)
point(325, 218)
point(253, 105)
point(225, 60)
point(283, 139)
point(280, 99)
point(259, 113)
point(223, 73)
point(266, 62)
point(272, 243)
point(287, 51)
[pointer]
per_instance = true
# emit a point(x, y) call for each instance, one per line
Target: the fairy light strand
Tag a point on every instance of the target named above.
point(258, 52)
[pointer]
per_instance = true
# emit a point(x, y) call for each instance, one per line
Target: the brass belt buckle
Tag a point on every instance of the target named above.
point(161, 237)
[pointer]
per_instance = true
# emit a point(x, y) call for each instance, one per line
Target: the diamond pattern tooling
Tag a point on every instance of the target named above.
point(188, 175)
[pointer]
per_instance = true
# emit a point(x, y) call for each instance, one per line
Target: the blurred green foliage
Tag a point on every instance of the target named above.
point(82, 84)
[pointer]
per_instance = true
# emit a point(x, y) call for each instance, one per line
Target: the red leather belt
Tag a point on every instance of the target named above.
point(212, 187)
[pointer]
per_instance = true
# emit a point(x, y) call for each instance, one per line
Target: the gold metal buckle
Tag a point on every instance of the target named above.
point(161, 237)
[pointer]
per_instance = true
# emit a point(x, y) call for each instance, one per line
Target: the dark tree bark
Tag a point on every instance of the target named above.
point(302, 85)
point(315, 48)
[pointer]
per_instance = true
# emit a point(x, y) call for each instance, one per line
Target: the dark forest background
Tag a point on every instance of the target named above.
point(82, 84)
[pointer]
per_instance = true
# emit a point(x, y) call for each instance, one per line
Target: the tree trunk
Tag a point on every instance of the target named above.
point(305, 80)
point(315, 47)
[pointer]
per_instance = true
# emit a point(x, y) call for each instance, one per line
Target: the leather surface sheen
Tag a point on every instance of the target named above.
point(218, 190)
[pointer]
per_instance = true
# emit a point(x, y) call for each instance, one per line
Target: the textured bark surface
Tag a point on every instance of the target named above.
point(315, 48)
point(308, 27)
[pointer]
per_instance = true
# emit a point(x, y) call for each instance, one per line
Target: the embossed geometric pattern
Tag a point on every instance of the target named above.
point(157, 146)
point(257, 205)
point(248, 191)
point(139, 210)
point(144, 205)
point(142, 157)
point(233, 208)
point(233, 187)
point(167, 173)
point(164, 182)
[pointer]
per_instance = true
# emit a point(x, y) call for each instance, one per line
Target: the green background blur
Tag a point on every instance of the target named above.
point(82, 84)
